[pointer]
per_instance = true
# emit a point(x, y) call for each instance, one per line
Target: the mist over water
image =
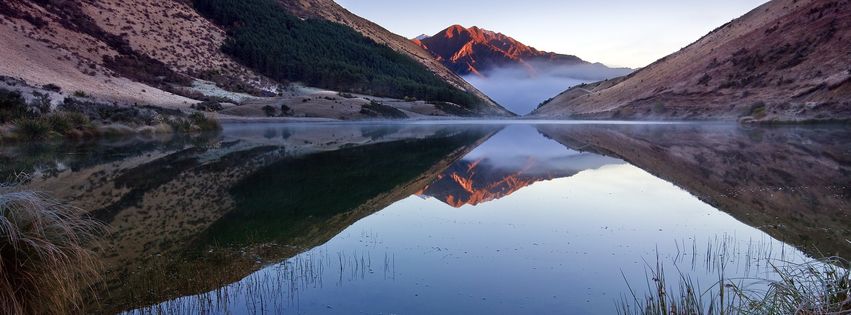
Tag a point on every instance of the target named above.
point(520, 89)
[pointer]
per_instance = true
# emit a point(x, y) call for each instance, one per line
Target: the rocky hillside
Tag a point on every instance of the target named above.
point(178, 53)
point(476, 51)
point(787, 60)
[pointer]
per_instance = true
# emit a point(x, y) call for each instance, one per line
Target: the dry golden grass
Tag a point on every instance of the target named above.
point(44, 266)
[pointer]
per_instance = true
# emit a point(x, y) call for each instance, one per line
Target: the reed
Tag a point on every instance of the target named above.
point(806, 287)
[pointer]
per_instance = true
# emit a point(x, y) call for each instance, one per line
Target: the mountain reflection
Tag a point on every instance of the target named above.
point(793, 183)
point(516, 157)
point(190, 215)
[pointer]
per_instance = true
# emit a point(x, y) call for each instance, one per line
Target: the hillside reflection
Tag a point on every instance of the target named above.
point(194, 215)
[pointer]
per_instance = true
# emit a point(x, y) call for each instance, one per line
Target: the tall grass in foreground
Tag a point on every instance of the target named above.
point(42, 259)
point(817, 287)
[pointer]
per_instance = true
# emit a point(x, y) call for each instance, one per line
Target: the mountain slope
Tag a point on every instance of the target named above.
point(787, 60)
point(155, 52)
point(331, 11)
point(476, 51)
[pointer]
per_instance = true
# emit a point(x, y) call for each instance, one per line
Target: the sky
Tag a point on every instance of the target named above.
point(621, 33)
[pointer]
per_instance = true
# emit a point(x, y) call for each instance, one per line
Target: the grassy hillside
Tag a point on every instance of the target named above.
point(263, 36)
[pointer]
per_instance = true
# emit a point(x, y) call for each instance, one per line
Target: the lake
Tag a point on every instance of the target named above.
point(453, 218)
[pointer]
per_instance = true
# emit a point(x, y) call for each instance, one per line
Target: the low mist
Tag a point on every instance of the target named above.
point(520, 89)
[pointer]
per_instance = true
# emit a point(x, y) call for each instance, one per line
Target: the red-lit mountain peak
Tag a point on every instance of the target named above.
point(476, 50)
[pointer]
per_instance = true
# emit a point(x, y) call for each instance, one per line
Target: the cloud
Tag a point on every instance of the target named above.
point(520, 91)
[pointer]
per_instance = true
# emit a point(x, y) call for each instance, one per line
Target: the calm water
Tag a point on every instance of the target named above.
point(453, 218)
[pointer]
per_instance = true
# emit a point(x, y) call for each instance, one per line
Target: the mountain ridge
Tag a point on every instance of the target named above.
point(476, 50)
point(784, 61)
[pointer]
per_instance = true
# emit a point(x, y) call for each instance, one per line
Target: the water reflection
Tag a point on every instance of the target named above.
point(514, 158)
point(794, 183)
point(357, 218)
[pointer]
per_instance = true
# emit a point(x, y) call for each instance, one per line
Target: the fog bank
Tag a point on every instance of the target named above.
point(520, 89)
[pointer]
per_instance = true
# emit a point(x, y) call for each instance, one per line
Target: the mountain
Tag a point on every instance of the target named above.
point(476, 51)
point(177, 53)
point(514, 158)
point(331, 11)
point(785, 61)
point(473, 182)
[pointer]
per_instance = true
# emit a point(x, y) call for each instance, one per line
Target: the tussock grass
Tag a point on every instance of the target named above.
point(56, 124)
point(43, 261)
point(204, 123)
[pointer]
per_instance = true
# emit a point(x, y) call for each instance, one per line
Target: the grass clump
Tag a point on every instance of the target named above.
point(204, 123)
point(194, 122)
point(32, 129)
point(817, 287)
point(43, 261)
point(56, 124)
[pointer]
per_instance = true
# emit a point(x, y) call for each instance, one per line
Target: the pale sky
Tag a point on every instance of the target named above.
point(623, 33)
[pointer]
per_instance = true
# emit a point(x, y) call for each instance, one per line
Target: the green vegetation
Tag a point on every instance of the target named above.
point(56, 124)
point(290, 199)
point(263, 36)
point(31, 129)
point(12, 106)
point(74, 118)
point(453, 109)
point(204, 123)
point(345, 95)
point(52, 87)
point(376, 109)
point(269, 111)
point(757, 110)
point(42, 258)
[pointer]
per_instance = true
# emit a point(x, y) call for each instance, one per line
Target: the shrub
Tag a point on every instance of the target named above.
point(43, 261)
point(269, 111)
point(757, 110)
point(375, 109)
point(179, 125)
point(208, 106)
point(59, 123)
point(204, 123)
point(286, 110)
point(64, 122)
point(453, 109)
point(52, 87)
point(40, 103)
point(32, 128)
point(80, 94)
point(78, 120)
point(12, 106)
